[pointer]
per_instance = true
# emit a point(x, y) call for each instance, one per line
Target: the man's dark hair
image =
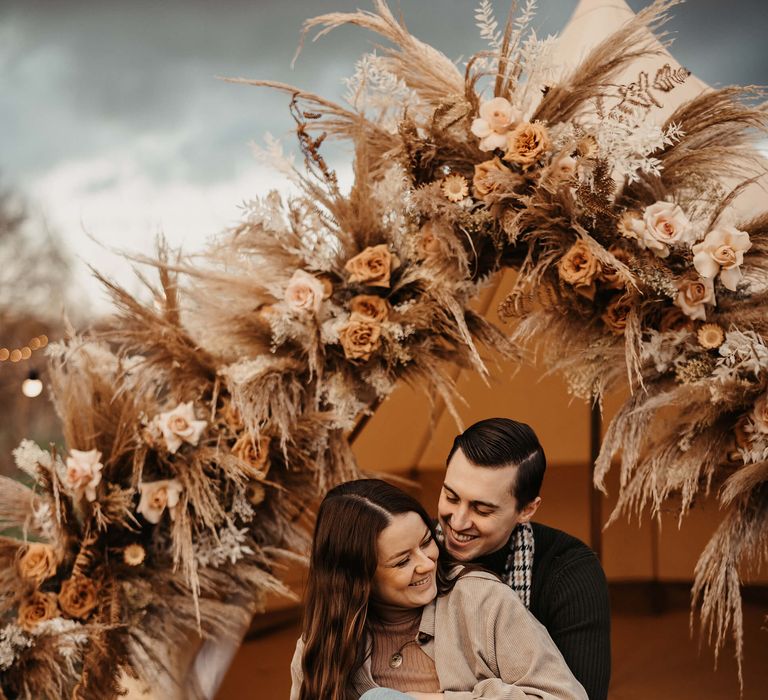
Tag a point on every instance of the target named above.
point(501, 442)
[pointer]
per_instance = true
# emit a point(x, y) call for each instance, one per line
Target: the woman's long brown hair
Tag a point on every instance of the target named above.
point(341, 570)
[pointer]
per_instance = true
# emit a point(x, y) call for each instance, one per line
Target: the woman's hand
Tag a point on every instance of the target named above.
point(425, 696)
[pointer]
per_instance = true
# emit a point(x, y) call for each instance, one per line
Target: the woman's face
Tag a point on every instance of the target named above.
point(407, 556)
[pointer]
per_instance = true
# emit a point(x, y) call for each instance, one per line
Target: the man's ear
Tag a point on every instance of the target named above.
point(528, 512)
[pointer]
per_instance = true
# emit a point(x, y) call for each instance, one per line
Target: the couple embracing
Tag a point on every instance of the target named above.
point(486, 604)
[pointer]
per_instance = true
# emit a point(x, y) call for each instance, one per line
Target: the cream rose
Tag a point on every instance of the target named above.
point(488, 177)
point(722, 250)
point(360, 338)
point(497, 117)
point(527, 144)
point(665, 224)
point(579, 268)
point(369, 307)
point(156, 496)
point(373, 266)
point(304, 292)
point(37, 608)
point(83, 472)
point(78, 597)
point(693, 295)
point(38, 562)
point(179, 426)
point(760, 414)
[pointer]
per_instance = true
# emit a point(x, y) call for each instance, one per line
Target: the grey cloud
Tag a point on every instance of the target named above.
point(80, 77)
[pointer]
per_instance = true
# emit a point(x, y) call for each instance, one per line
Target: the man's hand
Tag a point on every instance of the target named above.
point(425, 696)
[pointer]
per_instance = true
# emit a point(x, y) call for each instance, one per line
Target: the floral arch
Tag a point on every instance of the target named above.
point(200, 427)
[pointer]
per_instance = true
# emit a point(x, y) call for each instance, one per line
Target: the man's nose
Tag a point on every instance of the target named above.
point(460, 519)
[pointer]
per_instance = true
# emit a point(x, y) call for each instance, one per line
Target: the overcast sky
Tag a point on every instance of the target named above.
point(113, 122)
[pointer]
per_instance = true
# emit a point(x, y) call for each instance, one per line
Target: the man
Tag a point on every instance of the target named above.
point(490, 493)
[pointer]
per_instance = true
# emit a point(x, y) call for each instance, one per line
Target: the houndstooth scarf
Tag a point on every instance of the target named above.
point(518, 570)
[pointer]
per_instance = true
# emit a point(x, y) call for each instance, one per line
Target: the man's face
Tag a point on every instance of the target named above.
point(477, 510)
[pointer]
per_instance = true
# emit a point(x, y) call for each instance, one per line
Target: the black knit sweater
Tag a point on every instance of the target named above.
point(569, 596)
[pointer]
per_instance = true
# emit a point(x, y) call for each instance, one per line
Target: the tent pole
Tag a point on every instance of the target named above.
point(595, 497)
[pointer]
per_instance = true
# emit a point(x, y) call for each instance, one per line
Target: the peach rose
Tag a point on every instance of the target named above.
point(760, 414)
point(488, 175)
point(673, 319)
point(360, 339)
point(156, 496)
point(369, 307)
point(692, 295)
point(527, 144)
point(615, 315)
point(78, 597)
point(35, 609)
point(497, 117)
point(254, 452)
point(373, 266)
point(83, 473)
point(579, 268)
point(179, 426)
point(38, 562)
point(722, 250)
point(665, 224)
point(304, 292)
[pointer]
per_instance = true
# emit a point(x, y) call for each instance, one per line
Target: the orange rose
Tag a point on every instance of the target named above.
point(610, 275)
point(360, 339)
point(254, 452)
point(615, 315)
point(78, 597)
point(373, 266)
point(579, 268)
point(38, 562)
point(527, 144)
point(488, 177)
point(369, 307)
point(38, 608)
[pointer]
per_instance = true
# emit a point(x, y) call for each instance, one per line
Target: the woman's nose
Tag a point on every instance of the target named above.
point(425, 563)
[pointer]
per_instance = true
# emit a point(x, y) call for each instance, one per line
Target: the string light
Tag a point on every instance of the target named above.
point(25, 351)
point(32, 386)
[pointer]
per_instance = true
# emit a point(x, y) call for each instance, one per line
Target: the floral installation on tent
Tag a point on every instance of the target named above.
point(202, 425)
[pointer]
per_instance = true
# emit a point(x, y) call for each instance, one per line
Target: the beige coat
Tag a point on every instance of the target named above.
point(485, 644)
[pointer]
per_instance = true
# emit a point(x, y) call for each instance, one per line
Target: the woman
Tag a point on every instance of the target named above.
point(381, 610)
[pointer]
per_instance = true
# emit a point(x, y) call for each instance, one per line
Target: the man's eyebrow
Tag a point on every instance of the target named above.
point(427, 533)
point(484, 504)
